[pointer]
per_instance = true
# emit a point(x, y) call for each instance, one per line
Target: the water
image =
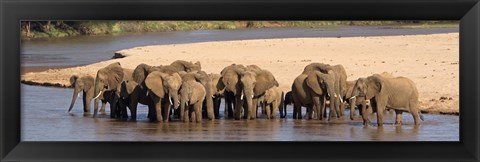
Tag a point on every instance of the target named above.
point(45, 117)
point(82, 50)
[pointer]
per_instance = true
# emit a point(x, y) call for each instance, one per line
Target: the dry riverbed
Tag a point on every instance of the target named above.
point(431, 61)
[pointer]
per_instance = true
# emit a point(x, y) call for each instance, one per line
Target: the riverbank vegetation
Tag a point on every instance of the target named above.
point(53, 29)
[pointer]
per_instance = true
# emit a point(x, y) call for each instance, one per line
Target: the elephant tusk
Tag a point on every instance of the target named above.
point(147, 92)
point(170, 99)
point(352, 97)
point(252, 96)
point(213, 96)
point(334, 95)
point(98, 95)
point(341, 100)
point(241, 97)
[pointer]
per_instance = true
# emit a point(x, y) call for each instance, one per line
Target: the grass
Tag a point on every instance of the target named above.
point(72, 28)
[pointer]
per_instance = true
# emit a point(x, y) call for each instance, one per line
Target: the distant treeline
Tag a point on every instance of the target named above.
point(43, 29)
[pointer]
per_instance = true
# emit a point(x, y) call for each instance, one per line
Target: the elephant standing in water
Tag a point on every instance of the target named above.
point(327, 81)
point(83, 84)
point(301, 96)
point(254, 83)
point(233, 89)
point(272, 101)
point(107, 86)
point(163, 89)
point(399, 94)
point(192, 94)
point(218, 92)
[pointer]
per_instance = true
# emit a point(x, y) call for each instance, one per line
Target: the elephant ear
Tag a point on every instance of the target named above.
point(141, 72)
point(374, 86)
point(201, 77)
point(264, 81)
point(88, 82)
point(115, 74)
point(73, 79)
point(155, 84)
point(313, 82)
point(198, 65)
point(219, 84)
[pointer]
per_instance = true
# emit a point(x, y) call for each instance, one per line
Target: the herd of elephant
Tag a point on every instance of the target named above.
point(194, 94)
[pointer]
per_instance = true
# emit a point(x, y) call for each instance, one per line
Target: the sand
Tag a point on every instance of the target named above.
point(431, 61)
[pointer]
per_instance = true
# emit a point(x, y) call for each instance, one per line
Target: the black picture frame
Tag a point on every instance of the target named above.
point(13, 11)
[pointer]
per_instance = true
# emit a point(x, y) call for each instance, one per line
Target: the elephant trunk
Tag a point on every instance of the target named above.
point(333, 101)
point(183, 106)
point(352, 102)
point(74, 98)
point(251, 107)
point(209, 98)
point(175, 101)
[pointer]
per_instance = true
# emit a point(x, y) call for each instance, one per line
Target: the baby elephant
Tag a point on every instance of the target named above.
point(192, 94)
point(272, 101)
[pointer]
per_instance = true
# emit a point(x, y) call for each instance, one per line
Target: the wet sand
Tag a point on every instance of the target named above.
point(431, 61)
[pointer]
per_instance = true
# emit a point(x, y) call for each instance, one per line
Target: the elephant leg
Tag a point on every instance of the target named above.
point(102, 109)
point(158, 108)
point(317, 106)
point(198, 112)
point(365, 114)
point(133, 110)
point(216, 107)
point(380, 109)
point(166, 111)
point(295, 111)
point(123, 109)
point(238, 107)
point(151, 112)
point(86, 103)
point(228, 105)
point(398, 118)
point(255, 108)
point(415, 112)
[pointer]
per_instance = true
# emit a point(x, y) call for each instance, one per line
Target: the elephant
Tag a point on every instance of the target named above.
point(327, 81)
point(218, 92)
point(254, 84)
point(162, 88)
point(182, 65)
point(107, 86)
point(398, 93)
point(301, 96)
point(203, 78)
point(230, 76)
point(353, 103)
point(83, 84)
point(364, 104)
point(192, 94)
point(129, 96)
point(272, 101)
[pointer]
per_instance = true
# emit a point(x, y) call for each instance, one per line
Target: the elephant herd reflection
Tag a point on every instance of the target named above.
point(182, 91)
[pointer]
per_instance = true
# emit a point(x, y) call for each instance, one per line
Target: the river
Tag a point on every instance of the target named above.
point(44, 116)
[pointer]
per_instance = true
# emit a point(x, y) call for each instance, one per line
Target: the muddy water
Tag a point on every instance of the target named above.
point(45, 118)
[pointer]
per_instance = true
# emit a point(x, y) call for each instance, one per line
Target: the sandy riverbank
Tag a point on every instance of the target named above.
point(431, 61)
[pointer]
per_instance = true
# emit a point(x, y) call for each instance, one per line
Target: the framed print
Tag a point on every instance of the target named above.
point(239, 80)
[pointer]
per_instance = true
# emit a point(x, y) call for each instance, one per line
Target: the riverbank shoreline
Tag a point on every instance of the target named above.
point(431, 61)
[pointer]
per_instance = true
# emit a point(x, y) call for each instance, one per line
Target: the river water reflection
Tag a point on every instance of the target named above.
point(45, 118)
